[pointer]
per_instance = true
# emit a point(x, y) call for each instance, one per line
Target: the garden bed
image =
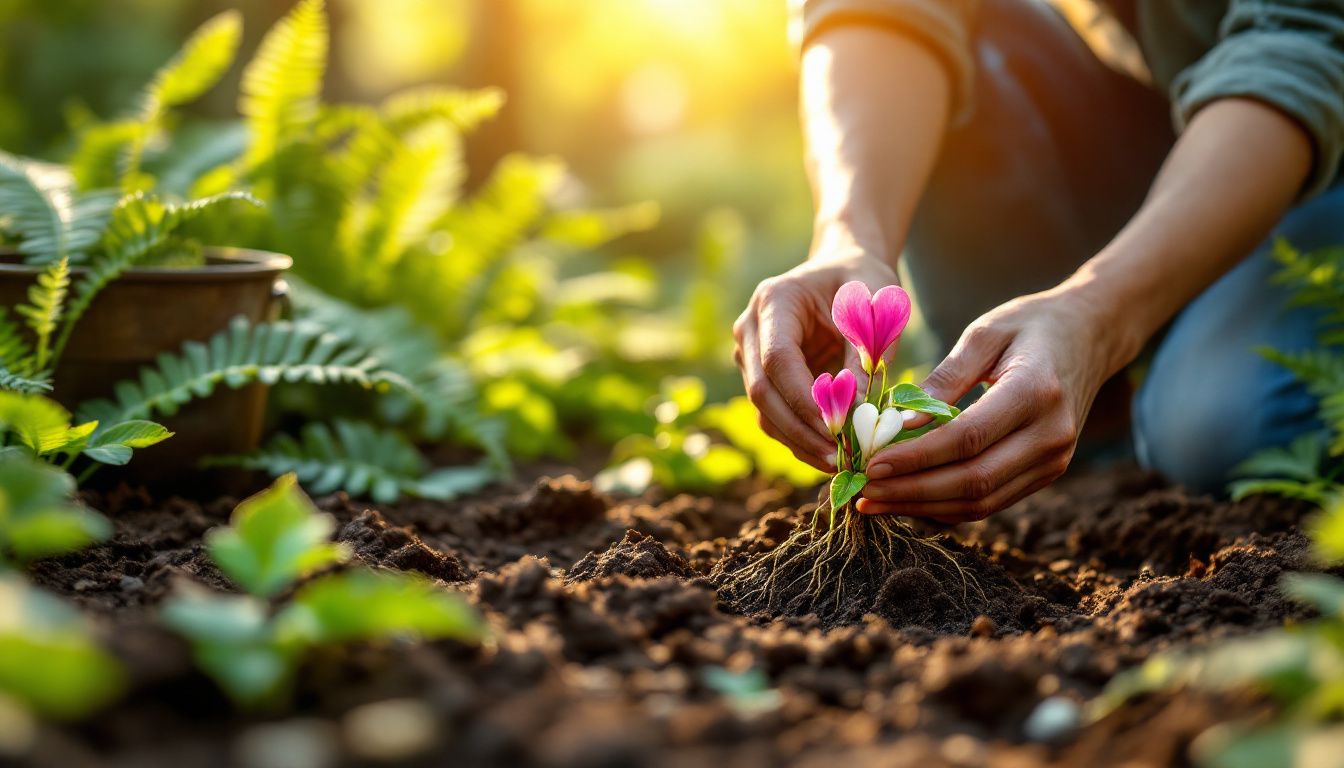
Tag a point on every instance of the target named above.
point(611, 647)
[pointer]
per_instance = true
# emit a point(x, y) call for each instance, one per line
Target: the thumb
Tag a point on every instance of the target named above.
point(968, 364)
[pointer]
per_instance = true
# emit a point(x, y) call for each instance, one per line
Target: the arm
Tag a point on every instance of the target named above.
point(1048, 354)
point(874, 106)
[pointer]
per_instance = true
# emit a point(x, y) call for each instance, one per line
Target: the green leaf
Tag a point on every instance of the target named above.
point(114, 444)
point(1327, 531)
point(49, 663)
point(363, 605)
point(463, 108)
point(39, 423)
point(845, 486)
point(911, 397)
point(38, 517)
point(1322, 592)
point(274, 538)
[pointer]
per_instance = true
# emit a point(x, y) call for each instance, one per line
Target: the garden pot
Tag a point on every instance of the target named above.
point(149, 311)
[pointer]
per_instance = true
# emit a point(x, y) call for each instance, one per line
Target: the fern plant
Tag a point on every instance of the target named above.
point(239, 355)
point(1310, 467)
point(362, 460)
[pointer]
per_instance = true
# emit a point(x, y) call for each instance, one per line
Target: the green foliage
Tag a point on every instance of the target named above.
point(38, 517)
point(1301, 470)
point(49, 663)
point(845, 485)
point(362, 605)
point(41, 428)
point(283, 82)
point(240, 355)
point(251, 648)
point(274, 538)
point(49, 219)
point(1309, 468)
point(362, 460)
point(678, 455)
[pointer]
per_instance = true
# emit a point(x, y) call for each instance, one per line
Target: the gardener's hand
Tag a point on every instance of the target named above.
point(1045, 357)
point(785, 333)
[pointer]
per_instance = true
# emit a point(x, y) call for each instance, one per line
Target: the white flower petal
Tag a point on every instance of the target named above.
point(865, 426)
point(888, 426)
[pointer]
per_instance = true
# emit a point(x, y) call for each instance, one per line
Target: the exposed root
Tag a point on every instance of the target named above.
point(832, 566)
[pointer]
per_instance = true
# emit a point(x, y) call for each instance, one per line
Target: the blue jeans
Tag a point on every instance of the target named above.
point(1056, 156)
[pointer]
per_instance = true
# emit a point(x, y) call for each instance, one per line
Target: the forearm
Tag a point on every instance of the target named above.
point(874, 108)
point(1234, 172)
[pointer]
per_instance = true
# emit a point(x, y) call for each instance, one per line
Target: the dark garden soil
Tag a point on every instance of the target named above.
point(613, 647)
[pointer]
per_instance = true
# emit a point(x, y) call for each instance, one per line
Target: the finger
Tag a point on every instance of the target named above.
point(1004, 408)
point(780, 342)
point(964, 510)
point(968, 364)
point(978, 478)
point(826, 465)
point(791, 431)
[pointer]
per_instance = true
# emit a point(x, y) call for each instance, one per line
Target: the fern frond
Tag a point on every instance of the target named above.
point(46, 302)
point(140, 225)
point(201, 62)
point(39, 205)
point(448, 402)
point(240, 355)
point(361, 460)
point(282, 83)
point(415, 187)
point(465, 109)
point(28, 385)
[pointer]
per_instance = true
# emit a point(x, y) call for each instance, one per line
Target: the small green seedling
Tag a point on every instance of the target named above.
point(49, 663)
point(252, 646)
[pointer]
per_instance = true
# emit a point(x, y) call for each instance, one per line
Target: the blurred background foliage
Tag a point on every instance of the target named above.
point(689, 103)
point(605, 225)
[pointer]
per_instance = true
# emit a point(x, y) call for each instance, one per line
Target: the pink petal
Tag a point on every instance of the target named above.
point(822, 395)
point(891, 311)
point(852, 312)
point(843, 390)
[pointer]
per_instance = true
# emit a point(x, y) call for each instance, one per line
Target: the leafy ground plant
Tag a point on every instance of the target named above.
point(253, 643)
point(810, 570)
point(1310, 467)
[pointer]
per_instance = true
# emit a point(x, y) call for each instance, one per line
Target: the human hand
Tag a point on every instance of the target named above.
point(785, 333)
point(1045, 357)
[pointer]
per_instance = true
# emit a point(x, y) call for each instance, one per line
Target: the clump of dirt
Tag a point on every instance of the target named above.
point(637, 556)
point(377, 542)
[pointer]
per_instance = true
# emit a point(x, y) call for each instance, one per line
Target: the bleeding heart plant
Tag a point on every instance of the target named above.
point(872, 323)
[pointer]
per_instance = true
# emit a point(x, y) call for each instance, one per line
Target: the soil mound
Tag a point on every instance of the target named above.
point(377, 542)
point(637, 556)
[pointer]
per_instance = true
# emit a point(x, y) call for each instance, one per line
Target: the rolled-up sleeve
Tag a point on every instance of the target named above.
point(944, 26)
point(1287, 54)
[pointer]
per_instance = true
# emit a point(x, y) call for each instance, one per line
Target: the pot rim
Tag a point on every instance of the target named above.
point(224, 263)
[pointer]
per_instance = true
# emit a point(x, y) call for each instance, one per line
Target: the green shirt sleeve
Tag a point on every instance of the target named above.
point(944, 26)
point(1288, 54)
